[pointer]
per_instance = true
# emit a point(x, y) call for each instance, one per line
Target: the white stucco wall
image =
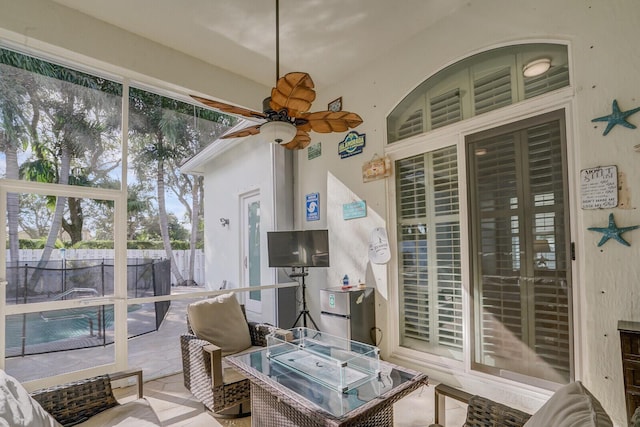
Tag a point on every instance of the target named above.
point(604, 67)
point(601, 36)
point(227, 180)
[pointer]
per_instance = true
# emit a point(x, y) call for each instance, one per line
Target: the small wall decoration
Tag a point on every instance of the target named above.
point(313, 206)
point(335, 105)
point(357, 209)
point(617, 117)
point(352, 144)
point(314, 151)
point(599, 187)
point(376, 168)
point(379, 252)
point(613, 232)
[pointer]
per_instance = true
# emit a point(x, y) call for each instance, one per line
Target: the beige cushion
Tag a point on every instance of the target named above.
point(220, 321)
point(18, 409)
point(137, 413)
point(571, 406)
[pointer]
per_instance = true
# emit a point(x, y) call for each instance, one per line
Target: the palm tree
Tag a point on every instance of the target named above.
point(156, 133)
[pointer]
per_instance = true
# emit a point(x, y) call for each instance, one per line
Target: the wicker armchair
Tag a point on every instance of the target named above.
point(78, 401)
point(221, 389)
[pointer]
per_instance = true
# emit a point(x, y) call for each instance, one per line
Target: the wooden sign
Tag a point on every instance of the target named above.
point(377, 168)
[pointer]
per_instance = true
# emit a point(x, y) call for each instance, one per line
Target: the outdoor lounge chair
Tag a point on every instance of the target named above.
point(221, 389)
point(571, 405)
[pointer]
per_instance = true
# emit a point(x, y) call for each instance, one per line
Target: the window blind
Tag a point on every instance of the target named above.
point(445, 109)
point(492, 91)
point(429, 252)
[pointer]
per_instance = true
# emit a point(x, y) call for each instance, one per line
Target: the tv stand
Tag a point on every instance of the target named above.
point(304, 313)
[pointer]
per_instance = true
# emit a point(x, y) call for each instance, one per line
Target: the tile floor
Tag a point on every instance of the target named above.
point(176, 407)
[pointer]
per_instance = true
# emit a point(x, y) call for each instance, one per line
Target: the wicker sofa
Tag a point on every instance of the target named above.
point(86, 403)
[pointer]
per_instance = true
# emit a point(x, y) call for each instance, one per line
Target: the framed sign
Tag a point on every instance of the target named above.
point(354, 210)
point(352, 144)
point(377, 168)
point(314, 151)
point(335, 105)
point(599, 187)
point(313, 206)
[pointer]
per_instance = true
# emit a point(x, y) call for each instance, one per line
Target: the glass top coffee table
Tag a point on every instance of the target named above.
point(282, 394)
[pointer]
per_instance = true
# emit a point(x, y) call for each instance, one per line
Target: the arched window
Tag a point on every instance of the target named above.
point(478, 84)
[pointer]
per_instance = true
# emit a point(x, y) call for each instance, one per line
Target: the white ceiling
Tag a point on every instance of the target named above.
point(329, 39)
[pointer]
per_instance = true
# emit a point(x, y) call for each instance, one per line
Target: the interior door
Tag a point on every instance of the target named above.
point(251, 260)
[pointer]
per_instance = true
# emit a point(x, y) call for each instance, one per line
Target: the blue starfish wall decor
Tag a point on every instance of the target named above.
point(617, 117)
point(613, 232)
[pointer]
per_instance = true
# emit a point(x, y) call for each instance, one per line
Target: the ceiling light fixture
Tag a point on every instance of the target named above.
point(278, 132)
point(537, 67)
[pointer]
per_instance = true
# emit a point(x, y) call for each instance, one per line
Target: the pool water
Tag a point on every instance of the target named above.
point(46, 327)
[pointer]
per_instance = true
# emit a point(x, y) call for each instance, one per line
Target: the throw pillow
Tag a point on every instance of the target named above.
point(571, 406)
point(18, 409)
point(220, 321)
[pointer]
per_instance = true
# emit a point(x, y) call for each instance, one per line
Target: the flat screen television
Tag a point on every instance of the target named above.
point(298, 248)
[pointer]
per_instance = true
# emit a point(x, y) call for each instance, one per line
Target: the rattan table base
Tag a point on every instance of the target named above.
point(268, 410)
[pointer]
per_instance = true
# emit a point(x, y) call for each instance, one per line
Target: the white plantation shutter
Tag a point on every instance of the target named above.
point(492, 91)
point(412, 125)
point(445, 109)
point(429, 252)
point(476, 85)
point(555, 78)
point(517, 181)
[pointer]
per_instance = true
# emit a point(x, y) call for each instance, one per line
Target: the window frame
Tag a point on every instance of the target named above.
point(527, 270)
point(561, 99)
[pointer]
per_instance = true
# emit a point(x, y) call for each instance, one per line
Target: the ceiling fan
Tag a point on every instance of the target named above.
point(286, 112)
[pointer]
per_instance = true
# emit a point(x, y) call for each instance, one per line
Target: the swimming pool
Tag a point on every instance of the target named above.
point(39, 329)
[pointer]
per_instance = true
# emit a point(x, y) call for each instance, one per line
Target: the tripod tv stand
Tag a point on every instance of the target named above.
point(304, 313)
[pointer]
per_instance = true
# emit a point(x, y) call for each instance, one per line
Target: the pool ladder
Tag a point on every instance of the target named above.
point(72, 316)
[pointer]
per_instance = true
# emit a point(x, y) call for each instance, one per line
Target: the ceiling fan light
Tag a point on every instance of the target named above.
point(537, 67)
point(278, 132)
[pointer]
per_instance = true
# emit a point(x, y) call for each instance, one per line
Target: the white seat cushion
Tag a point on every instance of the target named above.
point(571, 406)
point(18, 409)
point(137, 413)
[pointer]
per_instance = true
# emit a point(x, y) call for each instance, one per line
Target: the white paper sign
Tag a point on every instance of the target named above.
point(379, 252)
point(599, 187)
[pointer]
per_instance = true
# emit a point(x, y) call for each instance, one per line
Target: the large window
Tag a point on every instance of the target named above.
point(430, 283)
point(519, 228)
point(477, 85)
point(91, 248)
point(486, 279)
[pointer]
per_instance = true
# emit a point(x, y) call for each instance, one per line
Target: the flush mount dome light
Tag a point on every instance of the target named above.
point(537, 67)
point(278, 132)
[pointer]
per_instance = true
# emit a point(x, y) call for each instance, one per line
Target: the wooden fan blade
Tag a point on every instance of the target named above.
point(293, 92)
point(300, 141)
point(231, 109)
point(248, 131)
point(330, 121)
